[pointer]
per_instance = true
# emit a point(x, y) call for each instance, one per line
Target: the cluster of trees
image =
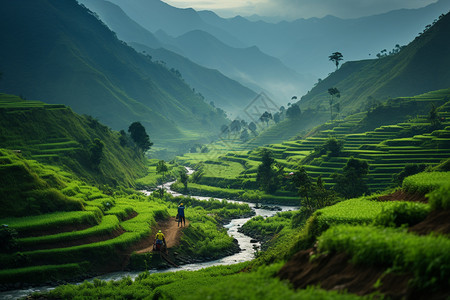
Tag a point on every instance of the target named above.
point(348, 184)
point(198, 148)
point(138, 137)
point(384, 53)
point(243, 128)
point(240, 127)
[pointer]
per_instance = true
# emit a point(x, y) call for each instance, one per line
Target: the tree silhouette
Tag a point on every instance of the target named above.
point(161, 168)
point(336, 57)
point(350, 183)
point(96, 152)
point(244, 136)
point(140, 136)
point(252, 127)
point(265, 176)
point(293, 111)
point(304, 185)
point(433, 117)
point(224, 129)
point(265, 117)
point(333, 92)
point(235, 126)
point(184, 180)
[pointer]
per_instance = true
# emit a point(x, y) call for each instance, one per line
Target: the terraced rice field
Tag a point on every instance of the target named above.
point(385, 148)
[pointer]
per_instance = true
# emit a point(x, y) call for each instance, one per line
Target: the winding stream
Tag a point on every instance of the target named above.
point(246, 253)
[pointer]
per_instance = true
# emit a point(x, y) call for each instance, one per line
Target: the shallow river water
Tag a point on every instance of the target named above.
point(246, 253)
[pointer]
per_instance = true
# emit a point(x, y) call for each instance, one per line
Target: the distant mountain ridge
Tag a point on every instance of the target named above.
point(58, 52)
point(304, 44)
point(226, 93)
point(423, 66)
point(222, 91)
point(184, 32)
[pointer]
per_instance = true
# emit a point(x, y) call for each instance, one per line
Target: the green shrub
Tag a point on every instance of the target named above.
point(440, 198)
point(402, 213)
point(425, 182)
point(357, 211)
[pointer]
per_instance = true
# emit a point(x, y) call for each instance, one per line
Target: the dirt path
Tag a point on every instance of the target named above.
point(171, 231)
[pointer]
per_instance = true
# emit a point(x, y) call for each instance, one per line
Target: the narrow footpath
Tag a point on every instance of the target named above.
point(171, 232)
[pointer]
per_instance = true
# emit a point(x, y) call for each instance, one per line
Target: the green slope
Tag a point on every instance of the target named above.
point(55, 134)
point(421, 67)
point(59, 52)
point(387, 147)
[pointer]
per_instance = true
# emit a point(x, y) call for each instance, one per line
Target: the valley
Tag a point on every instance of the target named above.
point(112, 118)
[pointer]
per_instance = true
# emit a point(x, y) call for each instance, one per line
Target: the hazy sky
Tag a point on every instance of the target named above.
point(293, 9)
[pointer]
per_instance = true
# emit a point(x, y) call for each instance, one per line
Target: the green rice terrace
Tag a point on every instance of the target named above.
point(387, 149)
point(63, 222)
point(158, 176)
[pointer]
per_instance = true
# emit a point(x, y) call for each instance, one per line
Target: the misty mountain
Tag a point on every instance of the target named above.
point(226, 93)
point(210, 47)
point(125, 28)
point(154, 15)
point(422, 66)
point(59, 52)
point(249, 66)
point(305, 44)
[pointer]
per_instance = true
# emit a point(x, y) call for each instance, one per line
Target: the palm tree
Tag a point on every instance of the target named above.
point(336, 57)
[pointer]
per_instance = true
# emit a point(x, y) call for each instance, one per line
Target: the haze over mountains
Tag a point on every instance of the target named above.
point(302, 46)
point(422, 66)
point(58, 52)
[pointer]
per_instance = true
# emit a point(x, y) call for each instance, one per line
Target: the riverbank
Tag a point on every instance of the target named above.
point(240, 248)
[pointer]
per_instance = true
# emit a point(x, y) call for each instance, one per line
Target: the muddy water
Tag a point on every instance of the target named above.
point(246, 253)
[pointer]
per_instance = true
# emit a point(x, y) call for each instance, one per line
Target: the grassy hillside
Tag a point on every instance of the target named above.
point(54, 134)
point(386, 148)
point(361, 248)
point(59, 52)
point(421, 67)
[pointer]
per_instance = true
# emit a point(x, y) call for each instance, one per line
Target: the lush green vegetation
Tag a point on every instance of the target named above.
point(154, 178)
point(425, 182)
point(53, 134)
point(216, 283)
point(135, 89)
point(402, 213)
point(388, 150)
point(428, 257)
point(70, 210)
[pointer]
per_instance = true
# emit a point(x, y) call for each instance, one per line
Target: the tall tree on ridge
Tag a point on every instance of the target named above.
point(336, 57)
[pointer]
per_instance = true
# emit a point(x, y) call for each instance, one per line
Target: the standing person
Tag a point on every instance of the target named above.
point(181, 218)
